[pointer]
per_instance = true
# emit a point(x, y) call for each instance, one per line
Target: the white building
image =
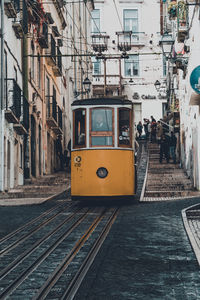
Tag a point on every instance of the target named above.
point(133, 77)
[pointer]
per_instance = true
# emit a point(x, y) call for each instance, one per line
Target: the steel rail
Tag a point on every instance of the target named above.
point(38, 261)
point(26, 253)
point(13, 233)
point(45, 289)
point(30, 233)
point(77, 280)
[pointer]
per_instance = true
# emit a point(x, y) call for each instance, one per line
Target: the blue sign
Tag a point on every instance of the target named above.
point(195, 80)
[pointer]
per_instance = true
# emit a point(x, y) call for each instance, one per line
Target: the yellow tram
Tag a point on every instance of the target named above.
point(102, 154)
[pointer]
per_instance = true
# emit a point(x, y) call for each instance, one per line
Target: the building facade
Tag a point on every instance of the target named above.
point(44, 47)
point(129, 59)
point(181, 20)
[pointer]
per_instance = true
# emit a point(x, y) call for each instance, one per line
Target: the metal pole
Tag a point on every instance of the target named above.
point(105, 77)
point(2, 100)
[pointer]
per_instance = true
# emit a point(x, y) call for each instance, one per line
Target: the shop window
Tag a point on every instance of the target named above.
point(79, 128)
point(124, 139)
point(102, 127)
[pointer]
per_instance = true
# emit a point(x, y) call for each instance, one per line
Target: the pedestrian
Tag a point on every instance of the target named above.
point(139, 128)
point(159, 131)
point(164, 148)
point(145, 125)
point(172, 146)
point(153, 130)
point(59, 151)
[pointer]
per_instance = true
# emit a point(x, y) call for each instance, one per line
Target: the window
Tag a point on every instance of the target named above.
point(102, 127)
point(131, 65)
point(79, 128)
point(95, 25)
point(124, 127)
point(96, 66)
point(131, 22)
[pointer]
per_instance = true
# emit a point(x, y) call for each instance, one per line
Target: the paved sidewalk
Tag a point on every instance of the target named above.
point(37, 190)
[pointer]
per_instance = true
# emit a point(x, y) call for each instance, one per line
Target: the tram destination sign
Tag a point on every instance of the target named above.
point(195, 80)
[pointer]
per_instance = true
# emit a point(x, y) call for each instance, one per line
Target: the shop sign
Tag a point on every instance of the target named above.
point(195, 80)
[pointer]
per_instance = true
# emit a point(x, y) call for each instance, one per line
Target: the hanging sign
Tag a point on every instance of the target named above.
point(195, 80)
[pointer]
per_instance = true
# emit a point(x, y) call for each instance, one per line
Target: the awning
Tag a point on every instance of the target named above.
point(195, 99)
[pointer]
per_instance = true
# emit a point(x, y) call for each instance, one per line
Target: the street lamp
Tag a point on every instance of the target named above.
point(86, 84)
point(167, 43)
point(157, 85)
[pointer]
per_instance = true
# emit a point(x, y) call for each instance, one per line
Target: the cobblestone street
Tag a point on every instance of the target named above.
point(147, 254)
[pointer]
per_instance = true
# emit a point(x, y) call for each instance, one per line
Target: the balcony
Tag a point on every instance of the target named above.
point(17, 27)
point(58, 129)
point(100, 42)
point(124, 40)
point(13, 101)
point(182, 21)
point(57, 69)
point(51, 51)
point(23, 127)
point(11, 8)
point(43, 36)
point(51, 112)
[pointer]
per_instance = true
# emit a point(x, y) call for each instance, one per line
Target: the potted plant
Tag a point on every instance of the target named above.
point(172, 9)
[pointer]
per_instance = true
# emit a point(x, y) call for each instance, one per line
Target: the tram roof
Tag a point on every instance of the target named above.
point(102, 101)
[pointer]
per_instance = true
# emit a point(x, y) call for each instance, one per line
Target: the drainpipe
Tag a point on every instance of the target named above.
point(25, 88)
point(2, 100)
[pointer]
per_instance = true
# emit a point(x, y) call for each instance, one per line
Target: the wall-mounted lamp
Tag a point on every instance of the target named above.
point(157, 85)
point(167, 42)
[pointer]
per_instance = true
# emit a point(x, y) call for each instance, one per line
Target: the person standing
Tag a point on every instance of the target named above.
point(139, 128)
point(164, 148)
point(145, 125)
point(172, 147)
point(59, 151)
point(159, 131)
point(153, 130)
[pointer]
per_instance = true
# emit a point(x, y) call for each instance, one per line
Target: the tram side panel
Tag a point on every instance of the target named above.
point(119, 181)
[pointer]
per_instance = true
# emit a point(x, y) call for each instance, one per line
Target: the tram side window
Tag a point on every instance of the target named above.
point(79, 128)
point(102, 127)
point(124, 127)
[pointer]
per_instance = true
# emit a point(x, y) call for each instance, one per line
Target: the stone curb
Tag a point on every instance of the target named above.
point(145, 179)
point(190, 234)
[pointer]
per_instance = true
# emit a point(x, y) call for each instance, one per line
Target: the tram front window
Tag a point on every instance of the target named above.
point(79, 128)
point(124, 127)
point(102, 127)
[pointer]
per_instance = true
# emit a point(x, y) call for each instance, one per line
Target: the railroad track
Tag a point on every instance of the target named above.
point(49, 257)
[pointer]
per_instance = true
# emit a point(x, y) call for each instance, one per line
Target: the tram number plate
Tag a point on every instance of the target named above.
point(77, 165)
point(77, 161)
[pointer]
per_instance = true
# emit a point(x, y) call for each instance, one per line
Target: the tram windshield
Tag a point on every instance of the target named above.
point(124, 127)
point(79, 128)
point(101, 127)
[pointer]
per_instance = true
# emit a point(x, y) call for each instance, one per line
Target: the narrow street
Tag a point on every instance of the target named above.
point(146, 255)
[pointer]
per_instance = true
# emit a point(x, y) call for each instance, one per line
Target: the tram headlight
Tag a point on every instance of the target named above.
point(102, 172)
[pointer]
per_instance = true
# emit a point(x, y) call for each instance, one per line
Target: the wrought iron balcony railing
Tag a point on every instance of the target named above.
point(12, 101)
point(12, 7)
point(43, 36)
point(57, 69)
point(51, 51)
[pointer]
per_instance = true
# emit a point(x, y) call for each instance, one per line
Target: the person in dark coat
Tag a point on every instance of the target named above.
point(172, 146)
point(59, 151)
point(164, 147)
point(139, 128)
